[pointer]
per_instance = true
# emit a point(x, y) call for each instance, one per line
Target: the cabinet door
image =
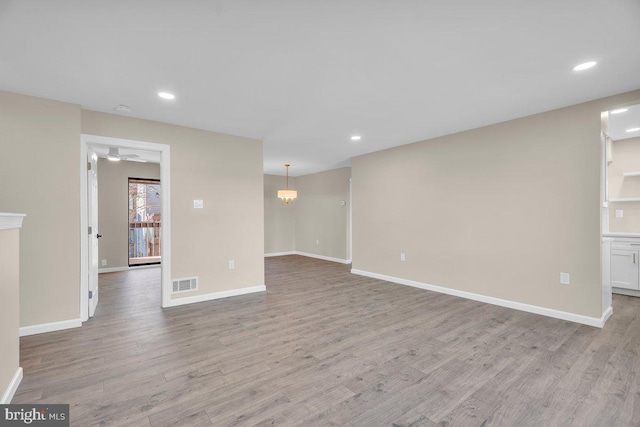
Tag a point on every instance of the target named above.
point(624, 269)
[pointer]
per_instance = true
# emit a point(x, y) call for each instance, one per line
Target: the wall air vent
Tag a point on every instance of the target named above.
point(185, 285)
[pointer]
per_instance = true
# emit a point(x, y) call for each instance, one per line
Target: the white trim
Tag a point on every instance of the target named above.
point(216, 295)
point(309, 255)
point(625, 199)
point(627, 292)
point(605, 316)
point(279, 254)
point(350, 218)
point(623, 235)
point(84, 245)
point(135, 267)
point(326, 258)
point(10, 220)
point(572, 317)
point(165, 179)
point(12, 388)
point(50, 327)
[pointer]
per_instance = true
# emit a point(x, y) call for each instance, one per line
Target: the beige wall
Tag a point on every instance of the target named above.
point(9, 316)
point(499, 211)
point(40, 176)
point(319, 215)
point(279, 218)
point(113, 207)
point(626, 158)
point(226, 172)
point(315, 215)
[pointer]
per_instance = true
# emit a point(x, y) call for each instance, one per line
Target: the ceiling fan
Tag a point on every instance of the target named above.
point(115, 156)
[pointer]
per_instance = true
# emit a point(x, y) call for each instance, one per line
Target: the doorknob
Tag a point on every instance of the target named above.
point(98, 235)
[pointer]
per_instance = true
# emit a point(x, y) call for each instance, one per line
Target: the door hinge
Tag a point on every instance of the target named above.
point(90, 294)
point(90, 230)
point(88, 166)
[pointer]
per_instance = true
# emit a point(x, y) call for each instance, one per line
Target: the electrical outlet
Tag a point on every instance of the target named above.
point(619, 213)
point(198, 204)
point(564, 278)
point(403, 256)
point(317, 242)
point(232, 264)
point(104, 262)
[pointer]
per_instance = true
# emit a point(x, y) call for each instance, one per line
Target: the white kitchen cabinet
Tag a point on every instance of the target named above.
point(624, 268)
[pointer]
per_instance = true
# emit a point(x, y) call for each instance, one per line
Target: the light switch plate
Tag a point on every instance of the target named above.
point(403, 256)
point(198, 204)
point(619, 213)
point(232, 264)
point(564, 278)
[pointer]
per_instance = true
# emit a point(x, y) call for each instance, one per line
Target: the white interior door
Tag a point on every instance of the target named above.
point(93, 235)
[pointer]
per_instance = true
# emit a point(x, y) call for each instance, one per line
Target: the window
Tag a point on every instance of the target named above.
point(145, 221)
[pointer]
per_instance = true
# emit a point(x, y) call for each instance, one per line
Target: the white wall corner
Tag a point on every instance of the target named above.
point(558, 314)
point(12, 388)
point(50, 327)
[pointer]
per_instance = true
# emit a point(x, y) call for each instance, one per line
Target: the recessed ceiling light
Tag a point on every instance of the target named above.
point(166, 95)
point(122, 108)
point(356, 138)
point(584, 66)
point(633, 130)
point(619, 110)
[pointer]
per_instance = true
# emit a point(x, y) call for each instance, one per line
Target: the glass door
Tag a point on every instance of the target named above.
point(145, 221)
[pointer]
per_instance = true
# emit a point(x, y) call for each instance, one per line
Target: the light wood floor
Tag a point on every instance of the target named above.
point(324, 347)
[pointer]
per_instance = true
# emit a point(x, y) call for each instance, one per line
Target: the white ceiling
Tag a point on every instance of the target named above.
point(619, 123)
point(305, 75)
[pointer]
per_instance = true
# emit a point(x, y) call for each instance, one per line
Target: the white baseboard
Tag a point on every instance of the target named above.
point(50, 327)
point(137, 267)
point(564, 315)
point(12, 388)
point(216, 295)
point(606, 315)
point(279, 254)
point(309, 255)
point(326, 258)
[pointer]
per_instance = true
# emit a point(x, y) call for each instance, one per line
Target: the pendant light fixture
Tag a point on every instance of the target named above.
point(287, 195)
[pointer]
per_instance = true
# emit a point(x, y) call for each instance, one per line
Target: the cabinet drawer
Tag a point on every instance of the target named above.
point(629, 246)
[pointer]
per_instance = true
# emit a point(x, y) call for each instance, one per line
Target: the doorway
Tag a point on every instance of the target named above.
point(145, 222)
point(92, 148)
point(621, 207)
